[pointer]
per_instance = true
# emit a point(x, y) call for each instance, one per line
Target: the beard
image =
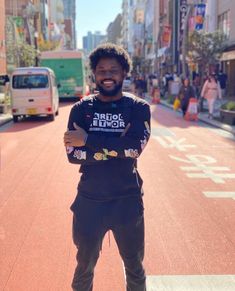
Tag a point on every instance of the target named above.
point(110, 92)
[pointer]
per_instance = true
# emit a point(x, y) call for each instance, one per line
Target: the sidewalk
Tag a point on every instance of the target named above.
point(4, 118)
point(203, 116)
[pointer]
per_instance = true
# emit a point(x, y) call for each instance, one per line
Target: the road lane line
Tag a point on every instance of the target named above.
point(219, 194)
point(191, 283)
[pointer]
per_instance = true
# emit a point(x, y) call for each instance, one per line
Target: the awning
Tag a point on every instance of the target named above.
point(227, 56)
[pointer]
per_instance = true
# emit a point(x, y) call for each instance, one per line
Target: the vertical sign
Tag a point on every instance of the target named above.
point(166, 36)
point(200, 10)
point(182, 17)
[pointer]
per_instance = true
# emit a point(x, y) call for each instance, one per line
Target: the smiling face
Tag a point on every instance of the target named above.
point(109, 76)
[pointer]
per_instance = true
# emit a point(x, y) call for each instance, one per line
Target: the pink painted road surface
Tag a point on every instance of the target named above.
point(189, 182)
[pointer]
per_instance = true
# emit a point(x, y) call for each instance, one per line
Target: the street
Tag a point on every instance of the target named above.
point(188, 170)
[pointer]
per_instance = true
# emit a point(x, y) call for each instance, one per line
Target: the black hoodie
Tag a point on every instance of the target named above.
point(109, 158)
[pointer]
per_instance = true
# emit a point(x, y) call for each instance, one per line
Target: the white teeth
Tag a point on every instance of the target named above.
point(108, 84)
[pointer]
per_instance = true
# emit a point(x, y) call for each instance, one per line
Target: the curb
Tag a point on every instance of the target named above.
point(5, 119)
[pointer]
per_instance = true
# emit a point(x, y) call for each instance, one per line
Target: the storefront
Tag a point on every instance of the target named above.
point(2, 39)
point(228, 65)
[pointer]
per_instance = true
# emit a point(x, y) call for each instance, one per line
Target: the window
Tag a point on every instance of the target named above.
point(30, 81)
point(224, 23)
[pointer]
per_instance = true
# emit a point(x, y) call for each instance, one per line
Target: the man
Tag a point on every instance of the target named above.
point(106, 134)
point(222, 78)
point(166, 82)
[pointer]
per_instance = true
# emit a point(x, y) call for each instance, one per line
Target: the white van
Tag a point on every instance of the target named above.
point(34, 92)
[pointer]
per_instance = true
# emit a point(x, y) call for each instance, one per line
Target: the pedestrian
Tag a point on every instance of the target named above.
point(167, 79)
point(196, 84)
point(222, 78)
point(211, 91)
point(140, 86)
point(186, 92)
point(106, 134)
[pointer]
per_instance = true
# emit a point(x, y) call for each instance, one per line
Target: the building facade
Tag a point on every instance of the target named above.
point(2, 39)
point(226, 23)
point(124, 24)
point(114, 30)
point(138, 36)
point(92, 40)
point(70, 19)
point(16, 7)
point(152, 36)
point(44, 22)
point(56, 16)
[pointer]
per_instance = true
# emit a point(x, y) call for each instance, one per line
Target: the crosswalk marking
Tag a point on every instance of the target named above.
point(191, 283)
point(219, 194)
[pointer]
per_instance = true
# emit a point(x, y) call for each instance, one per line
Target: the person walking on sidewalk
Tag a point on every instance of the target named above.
point(140, 86)
point(186, 92)
point(211, 91)
point(106, 134)
point(222, 78)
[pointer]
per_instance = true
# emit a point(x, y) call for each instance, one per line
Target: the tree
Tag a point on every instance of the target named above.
point(48, 45)
point(205, 49)
point(24, 54)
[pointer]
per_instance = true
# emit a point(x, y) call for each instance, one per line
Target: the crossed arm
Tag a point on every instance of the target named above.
point(88, 148)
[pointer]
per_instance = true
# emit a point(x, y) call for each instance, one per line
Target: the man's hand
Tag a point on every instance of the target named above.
point(75, 138)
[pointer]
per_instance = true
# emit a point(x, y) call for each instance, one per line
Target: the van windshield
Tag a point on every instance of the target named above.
point(30, 81)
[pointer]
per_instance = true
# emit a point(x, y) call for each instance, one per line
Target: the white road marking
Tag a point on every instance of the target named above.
point(161, 131)
point(202, 165)
point(173, 143)
point(191, 283)
point(219, 194)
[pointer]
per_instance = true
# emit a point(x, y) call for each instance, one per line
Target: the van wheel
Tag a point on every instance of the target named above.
point(52, 117)
point(15, 118)
point(57, 112)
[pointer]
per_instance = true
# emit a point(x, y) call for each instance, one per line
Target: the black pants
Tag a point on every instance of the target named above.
point(184, 106)
point(91, 221)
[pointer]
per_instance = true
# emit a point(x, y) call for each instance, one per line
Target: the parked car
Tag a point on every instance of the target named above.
point(34, 91)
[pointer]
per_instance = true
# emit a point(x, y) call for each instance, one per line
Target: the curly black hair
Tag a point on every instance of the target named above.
point(110, 50)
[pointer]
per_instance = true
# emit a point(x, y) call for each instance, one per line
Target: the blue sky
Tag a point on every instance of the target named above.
point(95, 15)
